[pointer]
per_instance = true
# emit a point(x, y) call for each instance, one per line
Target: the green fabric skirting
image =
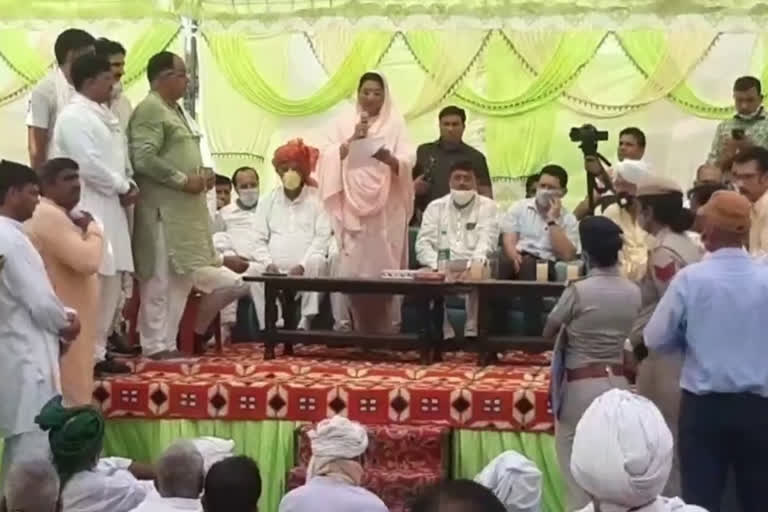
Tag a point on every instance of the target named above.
point(271, 444)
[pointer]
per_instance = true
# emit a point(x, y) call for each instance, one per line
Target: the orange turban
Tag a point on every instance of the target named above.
point(305, 158)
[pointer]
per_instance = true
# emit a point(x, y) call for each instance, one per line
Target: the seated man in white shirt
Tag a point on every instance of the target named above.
point(293, 232)
point(459, 231)
point(235, 225)
point(540, 228)
point(179, 480)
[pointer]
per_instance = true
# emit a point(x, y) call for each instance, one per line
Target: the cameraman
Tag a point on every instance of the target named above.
point(631, 147)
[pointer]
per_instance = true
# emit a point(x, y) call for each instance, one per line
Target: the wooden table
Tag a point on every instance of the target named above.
point(430, 296)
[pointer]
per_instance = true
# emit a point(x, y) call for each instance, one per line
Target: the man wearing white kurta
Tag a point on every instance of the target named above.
point(90, 134)
point(53, 93)
point(292, 230)
point(33, 322)
point(458, 233)
point(178, 481)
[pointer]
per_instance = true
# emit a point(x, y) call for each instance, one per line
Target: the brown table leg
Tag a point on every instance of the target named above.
point(270, 318)
point(436, 318)
point(288, 300)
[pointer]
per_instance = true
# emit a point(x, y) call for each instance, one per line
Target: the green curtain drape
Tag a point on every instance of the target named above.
point(270, 443)
point(82, 9)
point(236, 61)
point(474, 449)
point(447, 58)
point(156, 38)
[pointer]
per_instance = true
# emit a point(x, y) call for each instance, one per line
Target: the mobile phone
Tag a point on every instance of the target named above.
point(737, 133)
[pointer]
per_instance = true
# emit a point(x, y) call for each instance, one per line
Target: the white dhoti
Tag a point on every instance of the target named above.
point(221, 287)
point(316, 266)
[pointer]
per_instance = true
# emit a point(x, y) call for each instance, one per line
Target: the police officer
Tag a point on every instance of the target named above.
point(658, 376)
point(592, 320)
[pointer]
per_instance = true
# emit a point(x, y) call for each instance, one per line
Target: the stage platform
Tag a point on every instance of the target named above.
point(425, 423)
point(371, 387)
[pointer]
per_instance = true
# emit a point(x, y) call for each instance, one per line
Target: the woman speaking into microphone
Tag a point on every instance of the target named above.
point(369, 197)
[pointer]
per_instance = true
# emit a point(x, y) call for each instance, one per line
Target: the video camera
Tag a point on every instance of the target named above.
point(588, 136)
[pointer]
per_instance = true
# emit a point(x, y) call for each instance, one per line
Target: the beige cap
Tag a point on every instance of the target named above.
point(658, 185)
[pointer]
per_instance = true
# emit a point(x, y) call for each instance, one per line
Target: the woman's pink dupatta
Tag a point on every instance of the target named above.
point(350, 195)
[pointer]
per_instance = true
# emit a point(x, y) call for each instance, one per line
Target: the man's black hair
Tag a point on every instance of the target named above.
point(72, 39)
point(106, 47)
point(88, 66)
point(51, 169)
point(223, 180)
point(745, 83)
point(637, 133)
point(453, 110)
point(232, 485)
point(462, 165)
point(556, 171)
point(15, 175)
point(463, 495)
point(159, 63)
point(757, 154)
point(245, 168)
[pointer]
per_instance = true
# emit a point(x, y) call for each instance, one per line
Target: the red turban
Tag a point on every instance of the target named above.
point(304, 157)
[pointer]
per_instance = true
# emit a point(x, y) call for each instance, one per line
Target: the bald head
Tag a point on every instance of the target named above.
point(180, 471)
point(32, 486)
point(708, 175)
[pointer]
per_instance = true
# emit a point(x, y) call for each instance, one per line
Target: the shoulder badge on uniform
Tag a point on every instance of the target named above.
point(666, 272)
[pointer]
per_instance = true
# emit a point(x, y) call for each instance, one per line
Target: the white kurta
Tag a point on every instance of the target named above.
point(289, 233)
point(31, 318)
point(238, 236)
point(90, 134)
point(103, 491)
point(469, 233)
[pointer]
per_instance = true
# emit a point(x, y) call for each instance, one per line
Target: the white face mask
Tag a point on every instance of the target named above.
point(462, 197)
point(249, 196)
point(544, 197)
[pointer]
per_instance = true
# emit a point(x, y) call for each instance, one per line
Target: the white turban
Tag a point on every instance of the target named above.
point(333, 439)
point(636, 172)
point(515, 480)
point(213, 449)
point(622, 451)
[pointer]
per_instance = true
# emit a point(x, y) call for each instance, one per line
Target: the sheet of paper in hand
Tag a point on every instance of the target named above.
point(361, 151)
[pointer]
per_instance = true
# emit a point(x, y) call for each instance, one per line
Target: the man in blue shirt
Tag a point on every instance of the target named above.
point(714, 312)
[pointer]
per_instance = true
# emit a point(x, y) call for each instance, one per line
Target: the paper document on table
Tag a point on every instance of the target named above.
point(361, 151)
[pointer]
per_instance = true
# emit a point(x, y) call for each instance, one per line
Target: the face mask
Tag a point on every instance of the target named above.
point(291, 180)
point(544, 197)
point(754, 115)
point(462, 197)
point(249, 196)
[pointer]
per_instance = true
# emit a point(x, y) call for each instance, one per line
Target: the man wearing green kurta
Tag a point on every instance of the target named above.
point(172, 236)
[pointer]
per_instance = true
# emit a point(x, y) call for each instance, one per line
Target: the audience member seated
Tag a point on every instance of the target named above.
point(540, 228)
point(622, 455)
point(292, 232)
point(31, 485)
point(458, 496)
point(179, 480)
point(76, 436)
point(335, 472)
point(237, 225)
point(459, 231)
point(232, 485)
point(223, 191)
point(515, 480)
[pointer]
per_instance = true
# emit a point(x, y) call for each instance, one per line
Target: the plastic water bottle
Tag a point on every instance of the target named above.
point(443, 252)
